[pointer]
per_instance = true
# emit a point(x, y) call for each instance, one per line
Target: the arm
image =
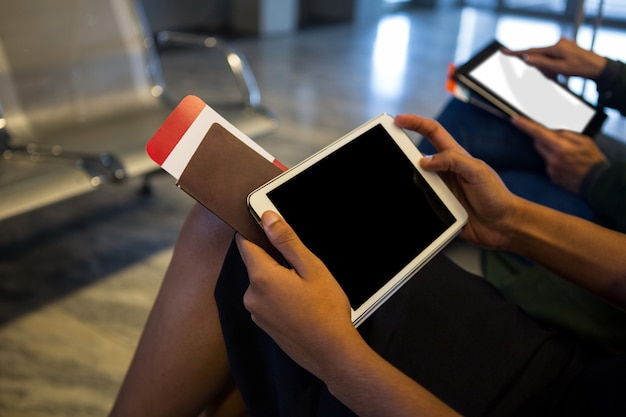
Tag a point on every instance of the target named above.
point(307, 314)
point(584, 253)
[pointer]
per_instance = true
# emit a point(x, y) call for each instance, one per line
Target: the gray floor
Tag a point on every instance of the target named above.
point(78, 278)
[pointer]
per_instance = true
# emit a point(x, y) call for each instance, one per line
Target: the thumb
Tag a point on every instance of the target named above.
point(283, 238)
point(469, 169)
point(531, 128)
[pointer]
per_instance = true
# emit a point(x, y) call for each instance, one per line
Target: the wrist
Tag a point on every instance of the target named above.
point(598, 65)
point(538, 232)
point(515, 230)
point(337, 355)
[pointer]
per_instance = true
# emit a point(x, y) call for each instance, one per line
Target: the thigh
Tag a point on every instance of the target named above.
point(537, 187)
point(487, 137)
point(453, 333)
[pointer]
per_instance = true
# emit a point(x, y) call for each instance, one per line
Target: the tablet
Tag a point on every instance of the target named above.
point(365, 207)
point(515, 87)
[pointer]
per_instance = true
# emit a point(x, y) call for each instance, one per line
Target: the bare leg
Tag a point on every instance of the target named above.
point(180, 367)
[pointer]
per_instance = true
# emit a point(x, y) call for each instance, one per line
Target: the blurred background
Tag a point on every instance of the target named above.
point(78, 274)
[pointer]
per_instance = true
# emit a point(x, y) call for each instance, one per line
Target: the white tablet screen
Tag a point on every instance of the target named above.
point(527, 89)
point(365, 211)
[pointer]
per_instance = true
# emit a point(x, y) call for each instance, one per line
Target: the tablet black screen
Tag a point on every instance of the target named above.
point(365, 211)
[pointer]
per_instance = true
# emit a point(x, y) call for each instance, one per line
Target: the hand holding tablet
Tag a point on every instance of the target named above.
point(367, 209)
point(514, 87)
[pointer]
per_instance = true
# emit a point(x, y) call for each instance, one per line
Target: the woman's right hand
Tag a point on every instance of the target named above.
point(493, 210)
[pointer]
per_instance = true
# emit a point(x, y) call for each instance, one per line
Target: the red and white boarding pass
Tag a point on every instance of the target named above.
point(173, 145)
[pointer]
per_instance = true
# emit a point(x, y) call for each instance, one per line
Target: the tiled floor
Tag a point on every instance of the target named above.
point(78, 278)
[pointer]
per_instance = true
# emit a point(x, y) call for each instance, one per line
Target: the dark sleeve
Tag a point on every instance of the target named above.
point(612, 86)
point(604, 189)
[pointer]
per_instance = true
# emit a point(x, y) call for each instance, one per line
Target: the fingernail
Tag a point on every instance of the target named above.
point(525, 57)
point(269, 218)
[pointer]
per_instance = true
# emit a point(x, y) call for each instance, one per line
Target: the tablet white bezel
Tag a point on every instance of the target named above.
point(258, 202)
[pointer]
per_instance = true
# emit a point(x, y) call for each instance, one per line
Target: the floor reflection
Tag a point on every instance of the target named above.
point(390, 56)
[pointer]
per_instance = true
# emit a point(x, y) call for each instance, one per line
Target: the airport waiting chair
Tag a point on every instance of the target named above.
point(81, 92)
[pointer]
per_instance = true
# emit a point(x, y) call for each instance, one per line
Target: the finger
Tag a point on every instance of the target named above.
point(252, 255)
point(283, 237)
point(507, 51)
point(544, 50)
point(468, 168)
point(574, 137)
point(531, 128)
point(535, 58)
point(431, 129)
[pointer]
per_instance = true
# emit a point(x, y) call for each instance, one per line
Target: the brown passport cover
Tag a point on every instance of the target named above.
point(220, 175)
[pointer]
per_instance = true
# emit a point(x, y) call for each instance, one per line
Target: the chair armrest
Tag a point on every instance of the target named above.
point(100, 168)
point(4, 135)
point(237, 63)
